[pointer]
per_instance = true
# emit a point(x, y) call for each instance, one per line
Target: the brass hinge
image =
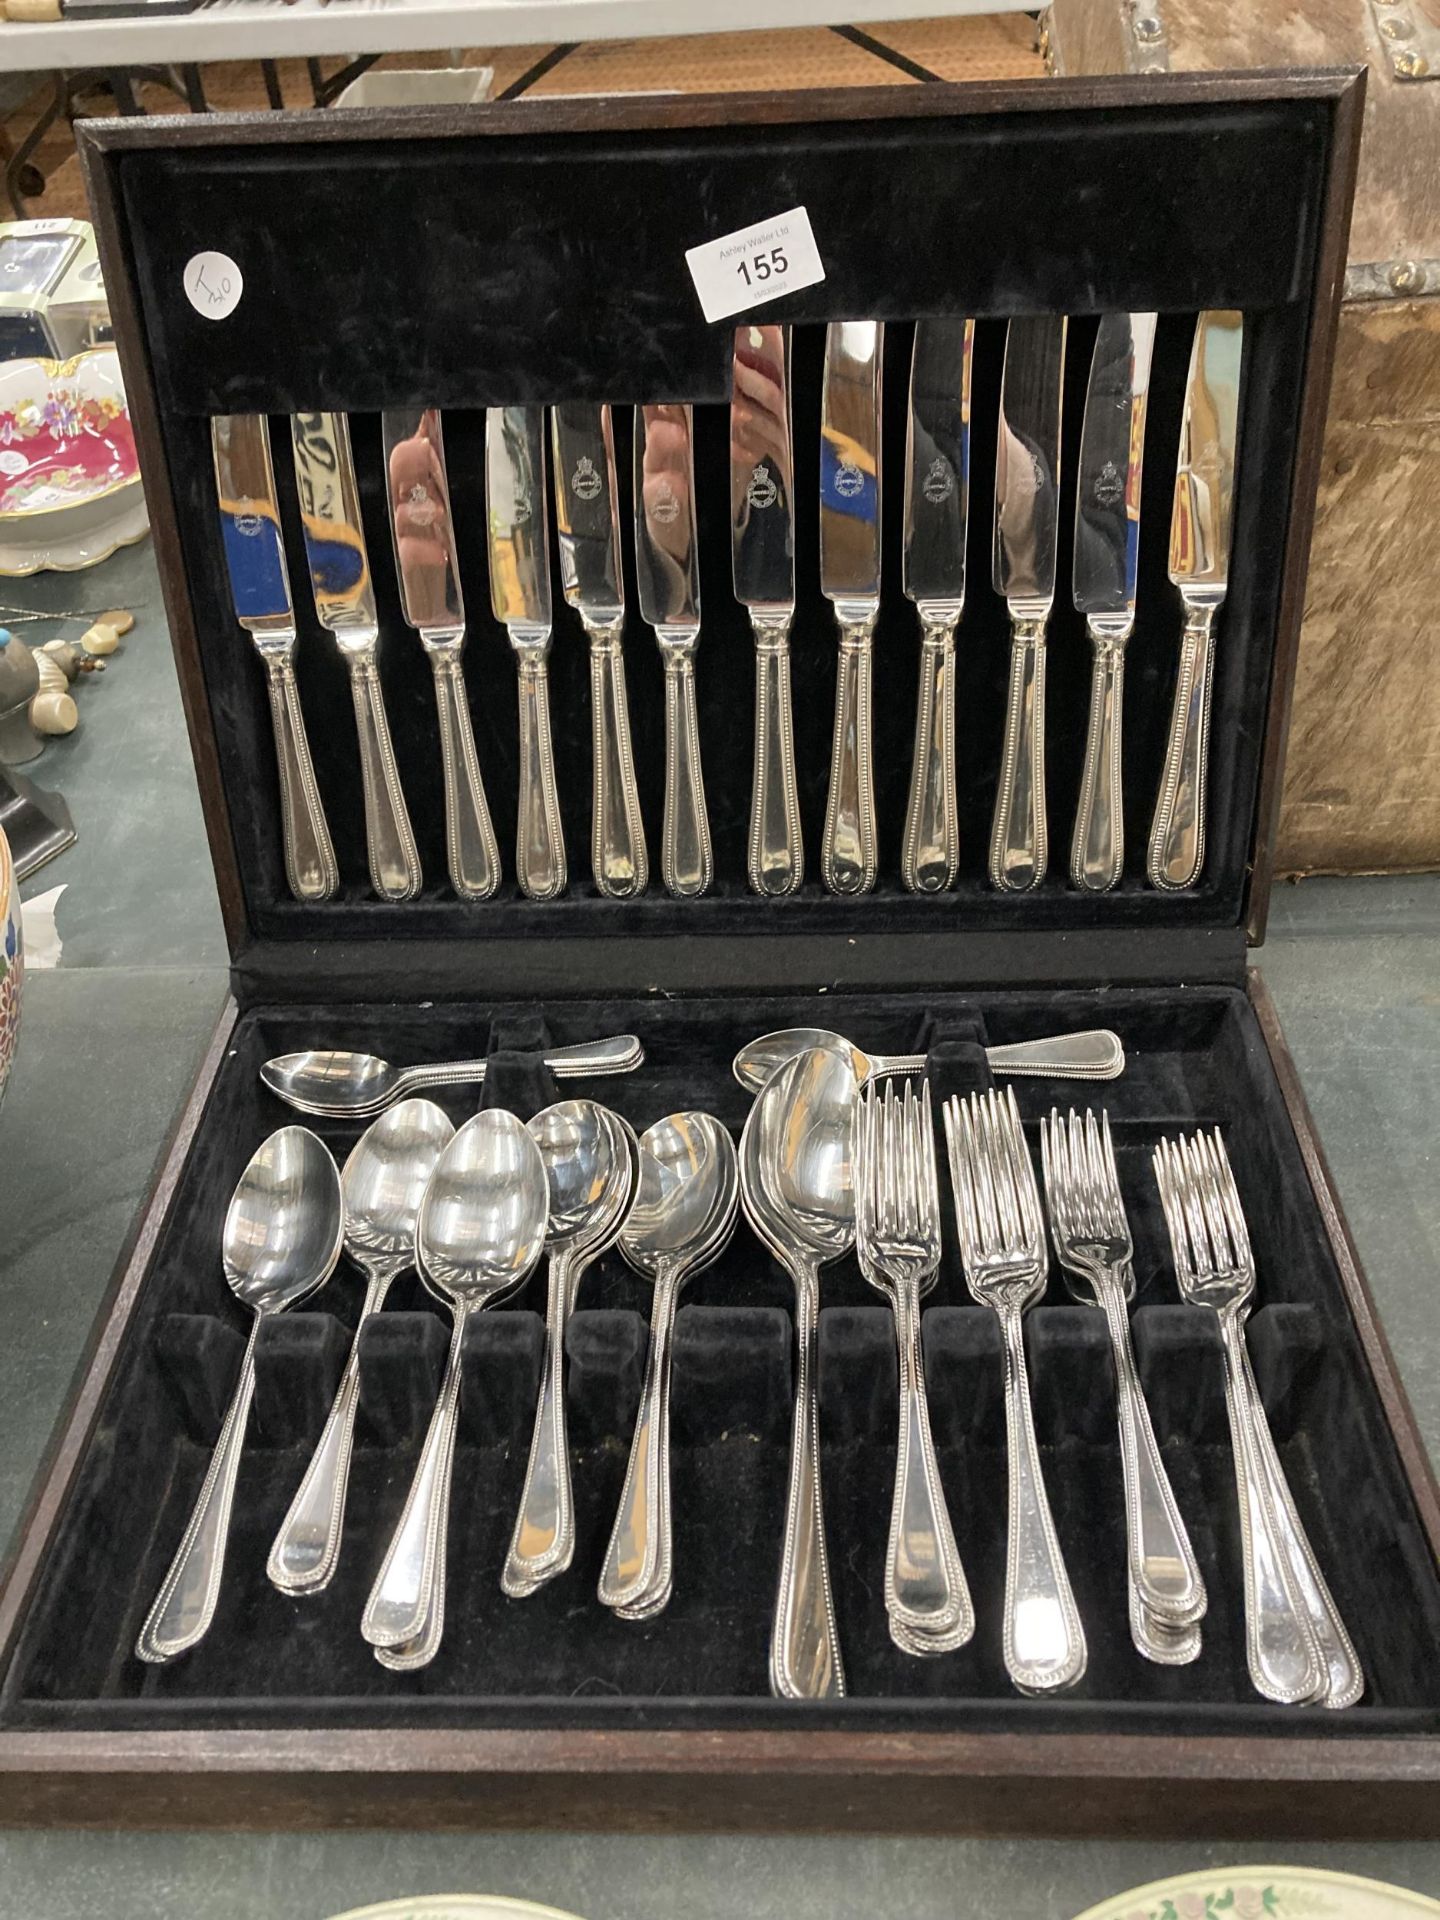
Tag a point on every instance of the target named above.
point(1392, 279)
point(1410, 40)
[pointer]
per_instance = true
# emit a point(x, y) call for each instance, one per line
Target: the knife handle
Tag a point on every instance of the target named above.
point(930, 857)
point(847, 852)
point(1019, 840)
point(1177, 834)
point(777, 854)
point(617, 839)
point(539, 843)
point(1097, 851)
point(389, 841)
point(310, 864)
point(471, 847)
point(686, 863)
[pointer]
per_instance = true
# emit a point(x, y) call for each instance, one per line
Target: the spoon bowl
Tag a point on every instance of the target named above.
point(805, 1152)
point(385, 1178)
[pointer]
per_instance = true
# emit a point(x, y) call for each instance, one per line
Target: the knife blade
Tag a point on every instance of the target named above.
point(517, 524)
point(1200, 568)
point(937, 503)
point(850, 579)
point(345, 604)
point(668, 574)
point(260, 592)
point(587, 521)
point(433, 604)
point(1027, 509)
point(762, 561)
point(1107, 552)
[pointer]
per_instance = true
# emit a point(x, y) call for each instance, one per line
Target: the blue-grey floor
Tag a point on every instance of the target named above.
point(109, 1044)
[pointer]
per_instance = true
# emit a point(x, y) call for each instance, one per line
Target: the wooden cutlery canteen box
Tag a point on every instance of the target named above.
point(535, 254)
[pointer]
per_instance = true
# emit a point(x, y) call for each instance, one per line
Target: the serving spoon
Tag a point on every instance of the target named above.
point(480, 1231)
point(590, 1174)
point(686, 1200)
point(795, 1186)
point(281, 1240)
point(383, 1182)
point(1093, 1055)
point(356, 1086)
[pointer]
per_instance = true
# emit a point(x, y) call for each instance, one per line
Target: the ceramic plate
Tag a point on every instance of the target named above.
point(456, 1906)
point(1265, 1893)
point(69, 479)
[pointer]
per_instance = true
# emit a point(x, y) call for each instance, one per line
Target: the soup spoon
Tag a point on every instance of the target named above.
point(588, 1167)
point(686, 1196)
point(1095, 1055)
point(357, 1086)
point(383, 1181)
point(480, 1231)
point(795, 1185)
point(281, 1241)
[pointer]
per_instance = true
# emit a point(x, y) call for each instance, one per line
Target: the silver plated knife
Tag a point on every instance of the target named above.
point(937, 504)
point(667, 568)
point(1027, 511)
point(432, 603)
point(518, 525)
point(1107, 552)
point(345, 604)
point(260, 591)
point(850, 579)
point(1200, 568)
point(587, 521)
point(762, 557)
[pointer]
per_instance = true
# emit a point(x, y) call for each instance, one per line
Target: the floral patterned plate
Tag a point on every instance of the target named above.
point(70, 489)
point(456, 1906)
point(1265, 1893)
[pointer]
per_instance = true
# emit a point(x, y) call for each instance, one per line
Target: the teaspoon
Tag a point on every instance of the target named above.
point(383, 1181)
point(480, 1232)
point(686, 1198)
point(357, 1086)
point(1096, 1055)
point(281, 1241)
point(590, 1175)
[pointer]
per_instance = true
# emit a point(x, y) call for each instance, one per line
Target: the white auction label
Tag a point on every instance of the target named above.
point(213, 284)
point(754, 264)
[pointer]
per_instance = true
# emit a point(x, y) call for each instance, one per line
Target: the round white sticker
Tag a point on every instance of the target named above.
point(213, 284)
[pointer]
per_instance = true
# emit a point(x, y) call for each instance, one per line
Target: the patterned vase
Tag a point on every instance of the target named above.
point(11, 960)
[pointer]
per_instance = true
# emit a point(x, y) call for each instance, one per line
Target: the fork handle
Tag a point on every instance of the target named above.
point(1162, 1562)
point(1044, 1641)
point(805, 1642)
point(1280, 1645)
point(925, 1583)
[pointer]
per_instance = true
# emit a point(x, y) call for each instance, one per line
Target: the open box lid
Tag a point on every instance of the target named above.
point(534, 252)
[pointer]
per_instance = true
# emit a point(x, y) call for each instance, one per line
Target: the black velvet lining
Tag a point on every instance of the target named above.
point(481, 253)
point(1195, 1057)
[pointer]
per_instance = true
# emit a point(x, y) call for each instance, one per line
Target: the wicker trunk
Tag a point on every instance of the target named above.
point(1362, 786)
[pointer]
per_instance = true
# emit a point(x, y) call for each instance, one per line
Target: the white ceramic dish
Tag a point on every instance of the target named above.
point(1265, 1893)
point(456, 1906)
point(70, 490)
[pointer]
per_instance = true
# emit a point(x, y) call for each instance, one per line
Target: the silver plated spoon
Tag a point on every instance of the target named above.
point(281, 1241)
point(1094, 1055)
point(480, 1232)
point(684, 1210)
point(383, 1182)
point(356, 1086)
point(591, 1176)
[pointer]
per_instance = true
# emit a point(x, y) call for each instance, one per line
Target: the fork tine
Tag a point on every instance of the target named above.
point(1208, 1184)
point(967, 1226)
point(864, 1171)
point(1022, 1171)
point(930, 1173)
point(1163, 1161)
point(1204, 1252)
point(1230, 1200)
point(987, 1201)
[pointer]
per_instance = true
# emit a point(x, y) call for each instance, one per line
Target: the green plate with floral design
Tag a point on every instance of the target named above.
point(1264, 1893)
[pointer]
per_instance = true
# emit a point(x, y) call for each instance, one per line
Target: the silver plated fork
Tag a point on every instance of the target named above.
point(1002, 1249)
point(1094, 1246)
point(897, 1239)
point(1297, 1648)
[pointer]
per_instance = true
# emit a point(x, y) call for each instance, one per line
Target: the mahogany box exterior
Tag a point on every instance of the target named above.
point(284, 1720)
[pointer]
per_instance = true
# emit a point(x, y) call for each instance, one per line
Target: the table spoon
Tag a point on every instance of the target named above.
point(1095, 1055)
point(795, 1185)
point(383, 1182)
point(686, 1196)
point(359, 1085)
point(281, 1241)
point(480, 1232)
point(588, 1167)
